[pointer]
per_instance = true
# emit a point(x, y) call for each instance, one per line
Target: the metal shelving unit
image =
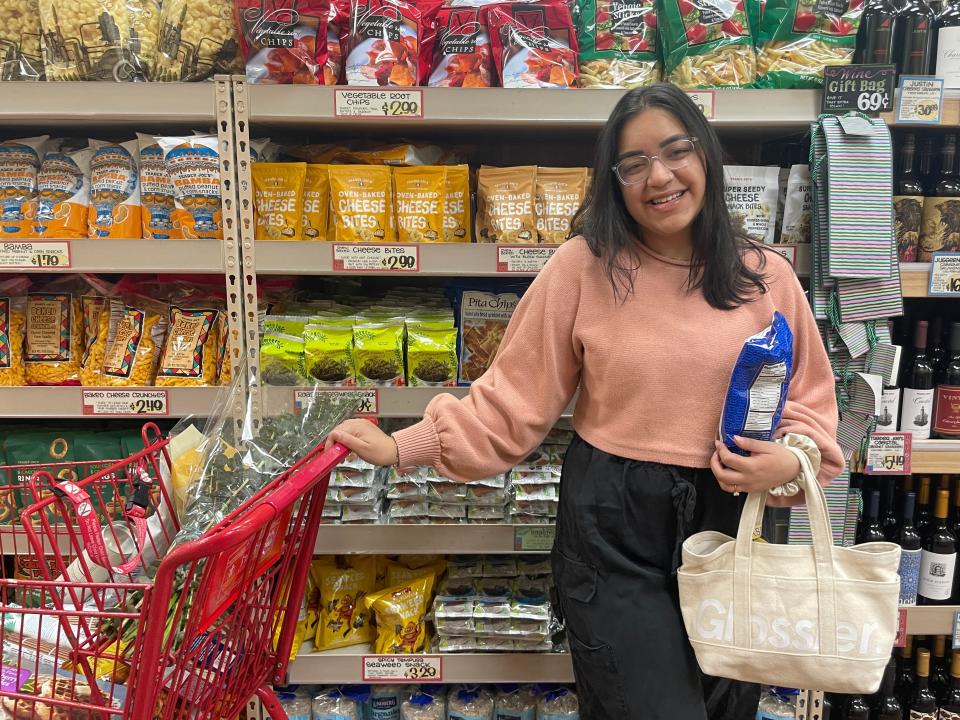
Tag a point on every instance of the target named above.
point(418, 539)
point(143, 256)
point(67, 402)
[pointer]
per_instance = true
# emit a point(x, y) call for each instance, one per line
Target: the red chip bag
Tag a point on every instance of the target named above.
point(282, 40)
point(385, 39)
point(338, 26)
point(459, 53)
point(534, 44)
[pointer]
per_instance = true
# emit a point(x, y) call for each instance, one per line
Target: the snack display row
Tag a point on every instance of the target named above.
point(159, 188)
point(457, 43)
point(80, 330)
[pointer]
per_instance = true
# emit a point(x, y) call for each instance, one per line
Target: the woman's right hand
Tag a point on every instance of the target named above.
point(366, 440)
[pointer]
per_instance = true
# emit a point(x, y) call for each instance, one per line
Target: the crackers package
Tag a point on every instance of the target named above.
point(419, 194)
point(752, 196)
point(361, 199)
point(194, 167)
point(278, 200)
point(19, 165)
point(505, 211)
point(560, 192)
point(114, 210)
point(63, 194)
point(456, 205)
point(482, 319)
point(401, 616)
point(156, 192)
point(316, 203)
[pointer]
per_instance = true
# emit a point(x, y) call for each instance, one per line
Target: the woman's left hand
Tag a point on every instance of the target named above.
point(768, 466)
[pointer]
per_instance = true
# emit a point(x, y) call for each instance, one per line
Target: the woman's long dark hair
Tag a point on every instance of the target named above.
point(718, 266)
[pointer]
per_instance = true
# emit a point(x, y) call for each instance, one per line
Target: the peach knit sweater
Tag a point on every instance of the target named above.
point(653, 371)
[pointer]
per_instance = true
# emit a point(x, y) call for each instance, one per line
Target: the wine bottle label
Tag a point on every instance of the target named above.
point(909, 576)
point(917, 715)
point(946, 412)
point(948, 715)
point(889, 410)
point(948, 56)
point(908, 211)
point(916, 411)
point(938, 230)
point(936, 575)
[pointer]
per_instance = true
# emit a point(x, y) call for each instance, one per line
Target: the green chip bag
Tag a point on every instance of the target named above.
point(35, 451)
point(96, 451)
point(378, 352)
point(431, 353)
point(618, 43)
point(281, 359)
point(706, 43)
point(328, 354)
point(799, 37)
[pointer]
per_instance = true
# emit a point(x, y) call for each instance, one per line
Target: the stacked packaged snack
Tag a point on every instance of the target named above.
point(355, 493)
point(534, 486)
point(422, 496)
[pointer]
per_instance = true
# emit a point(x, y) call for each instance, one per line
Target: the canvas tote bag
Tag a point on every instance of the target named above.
point(805, 616)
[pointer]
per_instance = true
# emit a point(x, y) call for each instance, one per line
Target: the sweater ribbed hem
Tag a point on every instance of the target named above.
point(418, 444)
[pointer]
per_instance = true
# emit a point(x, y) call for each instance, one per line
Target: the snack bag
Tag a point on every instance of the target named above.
point(194, 167)
point(198, 41)
point(135, 333)
point(505, 205)
point(431, 353)
point(378, 352)
point(401, 616)
point(456, 205)
point(345, 619)
point(361, 197)
point(618, 43)
point(418, 194)
point(114, 210)
point(282, 40)
point(797, 206)
point(63, 194)
point(328, 354)
point(54, 336)
point(13, 303)
point(224, 351)
point(799, 37)
point(458, 54)
point(96, 329)
point(338, 24)
point(316, 202)
point(281, 359)
point(560, 192)
point(482, 319)
point(383, 47)
point(534, 45)
point(706, 43)
point(19, 165)
point(752, 195)
point(191, 350)
point(20, 34)
point(278, 200)
point(156, 192)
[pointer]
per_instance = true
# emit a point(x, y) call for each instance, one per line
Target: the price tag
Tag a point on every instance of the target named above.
point(945, 274)
point(890, 454)
point(920, 100)
point(866, 88)
point(788, 251)
point(155, 403)
point(376, 258)
point(369, 398)
point(901, 639)
point(46, 255)
point(705, 100)
point(402, 668)
point(534, 538)
point(358, 103)
point(523, 258)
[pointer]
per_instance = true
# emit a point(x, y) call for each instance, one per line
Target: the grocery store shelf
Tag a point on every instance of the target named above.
point(16, 543)
point(418, 539)
point(59, 104)
point(345, 666)
point(143, 256)
point(931, 620)
point(915, 279)
point(936, 456)
point(66, 402)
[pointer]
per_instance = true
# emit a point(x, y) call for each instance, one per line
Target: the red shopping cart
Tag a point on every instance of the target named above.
point(194, 636)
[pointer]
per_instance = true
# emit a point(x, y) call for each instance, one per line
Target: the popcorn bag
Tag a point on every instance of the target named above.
point(198, 41)
point(534, 44)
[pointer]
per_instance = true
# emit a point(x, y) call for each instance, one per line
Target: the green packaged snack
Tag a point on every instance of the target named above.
point(378, 352)
point(38, 451)
point(328, 354)
point(618, 43)
point(706, 43)
point(281, 359)
point(799, 37)
point(285, 324)
point(431, 353)
point(96, 451)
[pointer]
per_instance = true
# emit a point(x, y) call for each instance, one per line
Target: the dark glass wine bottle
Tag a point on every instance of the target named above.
point(938, 559)
point(939, 672)
point(887, 706)
point(935, 235)
point(857, 708)
point(875, 36)
point(951, 703)
point(946, 410)
point(924, 704)
point(908, 211)
point(946, 45)
point(889, 523)
point(924, 515)
point(870, 530)
point(916, 407)
point(936, 349)
point(913, 37)
point(910, 551)
point(906, 677)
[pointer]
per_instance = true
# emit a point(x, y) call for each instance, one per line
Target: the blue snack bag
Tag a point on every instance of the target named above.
point(758, 385)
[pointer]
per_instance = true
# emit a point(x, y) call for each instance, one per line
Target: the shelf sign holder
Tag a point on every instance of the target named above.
point(944, 275)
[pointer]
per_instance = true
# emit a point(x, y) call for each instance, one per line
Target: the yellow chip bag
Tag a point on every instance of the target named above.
point(344, 618)
point(560, 192)
point(401, 616)
point(278, 200)
point(156, 192)
point(361, 199)
point(456, 205)
point(419, 194)
point(134, 334)
point(194, 167)
point(190, 353)
point(316, 203)
point(95, 329)
point(224, 359)
point(63, 190)
point(12, 327)
point(399, 574)
point(19, 164)
point(505, 212)
point(54, 339)
point(114, 209)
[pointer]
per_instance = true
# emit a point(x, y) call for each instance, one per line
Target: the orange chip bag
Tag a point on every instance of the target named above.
point(114, 209)
point(316, 202)
point(63, 189)
point(19, 164)
point(401, 616)
point(12, 325)
point(194, 167)
point(278, 200)
point(456, 205)
point(156, 191)
point(134, 335)
point(361, 198)
point(419, 194)
point(505, 211)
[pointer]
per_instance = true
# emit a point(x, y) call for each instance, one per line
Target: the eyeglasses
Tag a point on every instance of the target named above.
point(636, 168)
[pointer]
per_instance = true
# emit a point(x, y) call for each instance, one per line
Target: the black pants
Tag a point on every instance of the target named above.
point(620, 527)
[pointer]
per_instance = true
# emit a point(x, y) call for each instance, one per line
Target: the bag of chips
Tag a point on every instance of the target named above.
point(459, 53)
point(401, 616)
point(54, 334)
point(456, 205)
point(482, 315)
point(156, 192)
point(418, 198)
point(378, 352)
point(20, 34)
point(281, 359)
point(63, 194)
point(283, 41)
point(706, 43)
point(431, 353)
point(225, 346)
point(13, 322)
point(618, 43)
point(19, 165)
point(383, 47)
point(560, 192)
point(278, 200)
point(752, 194)
point(799, 37)
point(96, 327)
point(338, 25)
point(361, 199)
point(114, 210)
point(534, 44)
point(316, 202)
point(198, 41)
point(191, 350)
point(328, 354)
point(345, 619)
point(136, 328)
point(797, 206)
point(194, 167)
point(505, 205)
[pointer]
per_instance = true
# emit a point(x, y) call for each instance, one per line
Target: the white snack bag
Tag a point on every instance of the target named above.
point(751, 195)
point(796, 212)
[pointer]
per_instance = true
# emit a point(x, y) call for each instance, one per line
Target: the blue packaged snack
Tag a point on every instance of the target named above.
point(482, 312)
point(758, 385)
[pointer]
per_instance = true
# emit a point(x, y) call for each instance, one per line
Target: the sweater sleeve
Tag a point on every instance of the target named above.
point(510, 409)
point(811, 407)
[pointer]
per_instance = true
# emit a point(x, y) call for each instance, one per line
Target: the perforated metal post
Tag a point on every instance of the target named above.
point(810, 705)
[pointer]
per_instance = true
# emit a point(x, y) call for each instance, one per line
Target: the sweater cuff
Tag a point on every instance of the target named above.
point(418, 445)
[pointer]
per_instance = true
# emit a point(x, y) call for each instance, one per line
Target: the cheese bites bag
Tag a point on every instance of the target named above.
point(456, 205)
point(194, 167)
point(752, 196)
point(361, 197)
point(156, 192)
point(505, 205)
point(63, 194)
point(316, 203)
point(560, 192)
point(278, 200)
point(419, 194)
point(19, 165)
point(114, 210)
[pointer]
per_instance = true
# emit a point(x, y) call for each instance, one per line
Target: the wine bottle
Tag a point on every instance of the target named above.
point(857, 708)
point(910, 544)
point(938, 558)
point(936, 350)
point(907, 202)
point(875, 36)
point(946, 412)
point(939, 672)
point(936, 232)
point(924, 704)
point(889, 523)
point(951, 703)
point(924, 515)
point(913, 37)
point(870, 530)
point(946, 43)
point(916, 408)
point(887, 706)
point(906, 677)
